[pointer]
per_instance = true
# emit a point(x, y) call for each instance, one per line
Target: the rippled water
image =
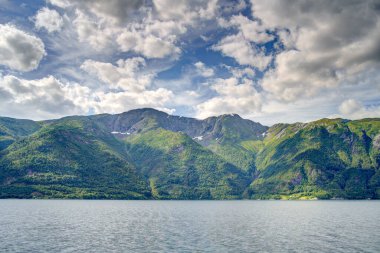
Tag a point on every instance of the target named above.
point(189, 226)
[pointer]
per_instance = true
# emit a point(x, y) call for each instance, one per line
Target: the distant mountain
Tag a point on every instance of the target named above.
point(148, 154)
point(223, 128)
point(69, 158)
point(326, 158)
point(13, 129)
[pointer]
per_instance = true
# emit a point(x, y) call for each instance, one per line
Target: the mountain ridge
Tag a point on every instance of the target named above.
point(145, 153)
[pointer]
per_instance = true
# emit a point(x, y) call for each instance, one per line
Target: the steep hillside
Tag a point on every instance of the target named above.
point(226, 135)
point(233, 140)
point(145, 153)
point(12, 129)
point(179, 168)
point(69, 159)
point(224, 127)
point(324, 159)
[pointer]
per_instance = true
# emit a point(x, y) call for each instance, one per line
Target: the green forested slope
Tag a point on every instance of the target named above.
point(13, 129)
point(324, 159)
point(69, 159)
point(148, 154)
point(178, 167)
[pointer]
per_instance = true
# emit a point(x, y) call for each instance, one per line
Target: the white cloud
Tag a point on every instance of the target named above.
point(192, 93)
point(186, 11)
point(245, 53)
point(97, 22)
point(325, 55)
point(250, 29)
point(20, 50)
point(49, 97)
point(116, 11)
point(149, 46)
point(60, 3)
point(354, 109)
point(203, 70)
point(364, 90)
point(92, 32)
point(325, 43)
point(350, 106)
point(244, 46)
point(117, 102)
point(234, 96)
point(291, 79)
point(146, 36)
point(240, 72)
point(163, 29)
point(40, 99)
point(132, 83)
point(48, 19)
point(150, 30)
point(125, 75)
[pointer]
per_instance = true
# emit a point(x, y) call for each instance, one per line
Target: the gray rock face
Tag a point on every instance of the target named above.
point(221, 128)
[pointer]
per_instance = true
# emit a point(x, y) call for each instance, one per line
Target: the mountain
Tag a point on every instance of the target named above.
point(13, 129)
point(177, 167)
point(226, 135)
point(69, 158)
point(148, 154)
point(324, 159)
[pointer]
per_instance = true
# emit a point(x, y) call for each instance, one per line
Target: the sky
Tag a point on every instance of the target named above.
point(269, 61)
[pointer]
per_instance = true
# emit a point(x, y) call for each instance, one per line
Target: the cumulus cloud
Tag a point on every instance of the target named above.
point(146, 36)
point(203, 70)
point(151, 30)
point(354, 109)
point(186, 11)
point(60, 3)
point(20, 50)
point(40, 99)
point(245, 53)
point(98, 23)
point(92, 32)
point(48, 19)
point(350, 106)
point(250, 29)
point(325, 43)
point(234, 96)
point(241, 72)
point(113, 10)
point(159, 36)
point(117, 102)
point(124, 75)
point(132, 84)
point(148, 45)
point(295, 59)
point(49, 97)
point(244, 46)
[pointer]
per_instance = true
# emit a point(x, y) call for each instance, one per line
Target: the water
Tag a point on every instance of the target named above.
point(189, 226)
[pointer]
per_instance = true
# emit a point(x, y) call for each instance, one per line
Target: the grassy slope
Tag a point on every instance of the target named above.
point(13, 129)
point(69, 159)
point(76, 157)
point(236, 141)
point(324, 159)
point(179, 168)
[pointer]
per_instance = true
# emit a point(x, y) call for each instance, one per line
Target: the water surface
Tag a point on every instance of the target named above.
point(189, 226)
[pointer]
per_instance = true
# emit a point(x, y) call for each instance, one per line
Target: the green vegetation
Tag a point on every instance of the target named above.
point(14, 129)
point(322, 159)
point(146, 154)
point(70, 159)
point(180, 168)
